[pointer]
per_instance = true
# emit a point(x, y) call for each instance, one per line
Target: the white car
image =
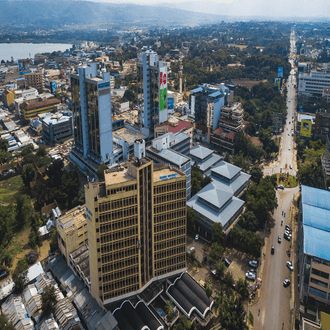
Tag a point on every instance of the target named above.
point(289, 148)
point(191, 250)
point(289, 265)
point(253, 263)
point(196, 237)
point(250, 276)
point(290, 167)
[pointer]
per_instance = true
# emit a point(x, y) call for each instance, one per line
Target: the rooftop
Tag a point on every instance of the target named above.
point(117, 176)
point(227, 170)
point(173, 156)
point(200, 152)
point(315, 217)
point(128, 135)
point(181, 125)
point(73, 219)
point(165, 174)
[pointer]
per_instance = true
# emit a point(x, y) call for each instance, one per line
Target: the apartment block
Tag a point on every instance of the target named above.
point(313, 83)
point(136, 228)
point(35, 79)
point(35, 107)
point(72, 230)
point(314, 255)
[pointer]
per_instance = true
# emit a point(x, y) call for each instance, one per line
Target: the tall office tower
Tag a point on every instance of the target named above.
point(92, 123)
point(136, 228)
point(152, 80)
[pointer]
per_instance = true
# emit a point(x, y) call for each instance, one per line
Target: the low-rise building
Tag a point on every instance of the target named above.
point(219, 202)
point(56, 127)
point(72, 230)
point(31, 109)
point(8, 97)
point(179, 142)
point(314, 253)
point(203, 157)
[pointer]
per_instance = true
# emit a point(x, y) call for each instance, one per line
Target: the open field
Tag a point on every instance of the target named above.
point(8, 189)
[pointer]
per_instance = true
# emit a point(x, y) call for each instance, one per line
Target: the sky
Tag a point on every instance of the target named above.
point(268, 8)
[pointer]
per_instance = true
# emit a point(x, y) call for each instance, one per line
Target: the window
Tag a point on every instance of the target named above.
point(318, 293)
point(320, 273)
point(96, 209)
point(315, 281)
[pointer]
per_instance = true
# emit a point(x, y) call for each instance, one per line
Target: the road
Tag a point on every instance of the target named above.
point(273, 307)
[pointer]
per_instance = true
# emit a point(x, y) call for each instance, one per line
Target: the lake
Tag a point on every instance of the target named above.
point(20, 50)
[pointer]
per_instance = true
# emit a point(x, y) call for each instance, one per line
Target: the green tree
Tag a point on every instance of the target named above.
point(208, 288)
point(242, 288)
point(216, 252)
point(48, 300)
point(19, 276)
point(55, 172)
point(100, 171)
point(4, 144)
point(191, 219)
point(7, 224)
point(41, 152)
point(217, 233)
point(256, 173)
point(24, 210)
point(28, 174)
point(53, 241)
point(169, 310)
point(5, 324)
point(228, 279)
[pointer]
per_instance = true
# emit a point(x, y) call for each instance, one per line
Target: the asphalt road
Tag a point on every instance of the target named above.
point(273, 307)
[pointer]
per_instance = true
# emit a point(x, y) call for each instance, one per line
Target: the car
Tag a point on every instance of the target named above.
point(280, 187)
point(228, 262)
point(279, 239)
point(3, 274)
point(289, 122)
point(289, 265)
point(286, 282)
point(292, 134)
point(287, 232)
point(191, 250)
point(287, 227)
point(253, 263)
point(287, 237)
point(252, 271)
point(290, 167)
point(288, 134)
point(250, 276)
point(196, 237)
point(273, 249)
point(289, 148)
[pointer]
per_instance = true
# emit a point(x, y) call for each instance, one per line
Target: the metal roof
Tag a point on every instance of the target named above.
point(200, 152)
point(212, 195)
point(315, 217)
point(174, 156)
point(226, 170)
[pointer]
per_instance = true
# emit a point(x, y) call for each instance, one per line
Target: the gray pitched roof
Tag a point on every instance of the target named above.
point(215, 196)
point(226, 169)
point(173, 156)
point(200, 152)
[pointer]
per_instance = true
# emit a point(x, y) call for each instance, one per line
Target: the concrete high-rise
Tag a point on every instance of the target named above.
point(136, 224)
point(152, 80)
point(92, 122)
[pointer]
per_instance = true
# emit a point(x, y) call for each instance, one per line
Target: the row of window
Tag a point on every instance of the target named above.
point(170, 234)
point(124, 263)
point(169, 243)
point(118, 255)
point(125, 221)
point(163, 269)
point(120, 272)
point(126, 233)
point(119, 292)
point(170, 253)
point(320, 273)
point(120, 214)
point(124, 244)
point(160, 189)
point(166, 207)
point(164, 226)
point(122, 189)
point(117, 203)
point(172, 196)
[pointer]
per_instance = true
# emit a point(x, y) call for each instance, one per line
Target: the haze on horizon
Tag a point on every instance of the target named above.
point(266, 8)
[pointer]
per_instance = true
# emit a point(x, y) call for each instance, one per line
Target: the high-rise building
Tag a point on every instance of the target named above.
point(136, 224)
point(35, 79)
point(92, 123)
point(152, 80)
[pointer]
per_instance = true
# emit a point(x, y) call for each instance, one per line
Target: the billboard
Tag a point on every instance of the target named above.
point(53, 87)
point(163, 88)
point(170, 103)
point(280, 72)
point(278, 83)
point(306, 128)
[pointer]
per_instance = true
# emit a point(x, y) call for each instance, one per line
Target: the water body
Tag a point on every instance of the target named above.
point(20, 50)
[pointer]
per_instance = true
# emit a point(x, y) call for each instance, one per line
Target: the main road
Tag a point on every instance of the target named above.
point(272, 311)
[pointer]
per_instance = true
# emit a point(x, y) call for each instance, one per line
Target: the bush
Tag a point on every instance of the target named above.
point(32, 257)
point(251, 318)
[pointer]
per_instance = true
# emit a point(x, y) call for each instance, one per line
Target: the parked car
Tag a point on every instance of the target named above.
point(253, 263)
point(250, 276)
point(288, 232)
point(196, 237)
point(286, 282)
point(290, 167)
point(279, 239)
point(273, 249)
point(228, 262)
point(289, 148)
point(287, 227)
point(280, 187)
point(287, 236)
point(191, 249)
point(289, 265)
point(3, 274)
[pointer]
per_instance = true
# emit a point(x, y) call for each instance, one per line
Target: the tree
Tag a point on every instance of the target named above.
point(30, 158)
point(53, 241)
point(7, 224)
point(19, 276)
point(28, 174)
point(4, 144)
point(242, 288)
point(191, 219)
point(216, 252)
point(48, 300)
point(169, 310)
point(24, 210)
point(41, 151)
point(217, 233)
point(228, 279)
point(256, 173)
point(100, 171)
point(5, 324)
point(208, 288)
point(55, 172)
point(232, 315)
